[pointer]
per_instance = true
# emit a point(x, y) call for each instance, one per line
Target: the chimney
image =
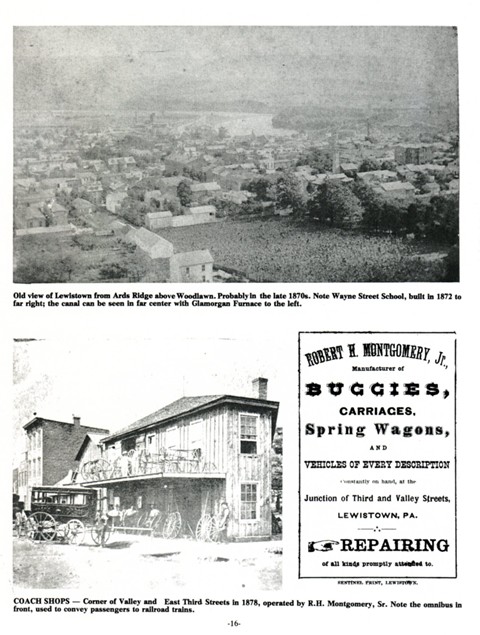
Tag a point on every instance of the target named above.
point(260, 386)
point(76, 420)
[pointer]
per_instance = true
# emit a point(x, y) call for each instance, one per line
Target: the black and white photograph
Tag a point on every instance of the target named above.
point(171, 478)
point(296, 154)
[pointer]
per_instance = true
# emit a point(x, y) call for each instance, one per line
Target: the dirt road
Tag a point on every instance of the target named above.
point(133, 563)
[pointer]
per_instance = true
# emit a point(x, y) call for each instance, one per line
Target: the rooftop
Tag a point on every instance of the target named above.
point(190, 405)
point(190, 258)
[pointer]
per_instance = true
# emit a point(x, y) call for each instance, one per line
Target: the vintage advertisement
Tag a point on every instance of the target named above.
point(377, 455)
point(239, 344)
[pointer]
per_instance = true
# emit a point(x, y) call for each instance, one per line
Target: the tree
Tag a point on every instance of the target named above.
point(335, 203)
point(133, 211)
point(452, 264)
point(39, 266)
point(317, 158)
point(371, 203)
point(262, 188)
point(442, 222)
point(389, 165)
point(421, 179)
point(184, 193)
point(287, 193)
point(172, 205)
point(369, 165)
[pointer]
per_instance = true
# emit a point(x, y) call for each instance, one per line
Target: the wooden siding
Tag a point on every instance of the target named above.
point(220, 444)
point(246, 468)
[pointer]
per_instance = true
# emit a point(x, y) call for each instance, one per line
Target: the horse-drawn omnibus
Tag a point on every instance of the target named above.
point(61, 513)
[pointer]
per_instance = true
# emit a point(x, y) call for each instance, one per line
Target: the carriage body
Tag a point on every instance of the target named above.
point(61, 513)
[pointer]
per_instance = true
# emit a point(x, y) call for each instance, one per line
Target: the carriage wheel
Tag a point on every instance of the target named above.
point(172, 526)
point(101, 470)
point(213, 530)
point(101, 533)
point(142, 519)
point(157, 525)
point(202, 526)
point(75, 532)
point(86, 471)
point(41, 526)
point(176, 524)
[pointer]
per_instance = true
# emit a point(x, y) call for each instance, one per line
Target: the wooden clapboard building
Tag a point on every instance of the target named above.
point(190, 456)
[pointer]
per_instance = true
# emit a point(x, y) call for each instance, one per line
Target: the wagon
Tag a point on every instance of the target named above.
point(61, 513)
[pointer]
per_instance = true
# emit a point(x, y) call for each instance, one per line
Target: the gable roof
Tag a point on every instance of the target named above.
point(94, 438)
point(396, 186)
point(190, 258)
point(191, 405)
point(64, 423)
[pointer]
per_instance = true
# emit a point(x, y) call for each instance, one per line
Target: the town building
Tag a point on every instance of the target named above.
point(193, 453)
point(192, 266)
point(158, 220)
point(415, 153)
point(113, 201)
point(396, 189)
point(52, 447)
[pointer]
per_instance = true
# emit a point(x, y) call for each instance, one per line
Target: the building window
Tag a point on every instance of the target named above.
point(248, 501)
point(248, 434)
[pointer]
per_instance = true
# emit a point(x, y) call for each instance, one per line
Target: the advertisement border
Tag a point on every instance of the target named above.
point(339, 577)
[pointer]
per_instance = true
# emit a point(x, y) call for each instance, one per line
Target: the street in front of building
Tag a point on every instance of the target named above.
point(131, 564)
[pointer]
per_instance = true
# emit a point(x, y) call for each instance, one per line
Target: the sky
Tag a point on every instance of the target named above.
point(112, 383)
point(109, 67)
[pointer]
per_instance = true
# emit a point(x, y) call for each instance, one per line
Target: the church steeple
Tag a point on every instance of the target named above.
point(335, 154)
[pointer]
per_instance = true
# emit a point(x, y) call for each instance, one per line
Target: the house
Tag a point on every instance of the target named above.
point(382, 176)
point(82, 206)
point(158, 220)
point(202, 192)
point(113, 201)
point(52, 447)
point(396, 189)
point(86, 178)
point(120, 163)
point(195, 452)
point(29, 217)
point(119, 228)
point(169, 184)
point(191, 266)
point(350, 169)
point(58, 213)
point(237, 197)
point(202, 213)
point(151, 244)
point(154, 196)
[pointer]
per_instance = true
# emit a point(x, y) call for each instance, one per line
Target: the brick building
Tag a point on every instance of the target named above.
point(52, 447)
point(415, 154)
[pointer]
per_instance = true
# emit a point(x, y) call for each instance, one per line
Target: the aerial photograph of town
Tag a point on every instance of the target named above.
point(235, 154)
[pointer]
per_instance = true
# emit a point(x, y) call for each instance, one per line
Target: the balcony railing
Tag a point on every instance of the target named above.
point(140, 463)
